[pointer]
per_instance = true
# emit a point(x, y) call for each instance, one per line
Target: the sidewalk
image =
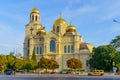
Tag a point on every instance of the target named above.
point(59, 75)
point(111, 74)
point(44, 75)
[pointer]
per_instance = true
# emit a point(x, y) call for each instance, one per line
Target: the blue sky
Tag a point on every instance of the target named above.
point(92, 18)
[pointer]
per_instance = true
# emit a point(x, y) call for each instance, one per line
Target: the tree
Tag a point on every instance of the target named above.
point(30, 65)
point(74, 63)
point(118, 65)
point(44, 63)
point(34, 56)
point(102, 58)
point(53, 65)
point(18, 64)
point(11, 53)
point(117, 57)
point(10, 61)
point(3, 62)
point(116, 42)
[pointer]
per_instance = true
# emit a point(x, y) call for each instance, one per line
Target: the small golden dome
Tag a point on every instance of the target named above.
point(41, 31)
point(60, 21)
point(34, 10)
point(71, 28)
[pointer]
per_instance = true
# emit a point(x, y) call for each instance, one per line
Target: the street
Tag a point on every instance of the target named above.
point(57, 77)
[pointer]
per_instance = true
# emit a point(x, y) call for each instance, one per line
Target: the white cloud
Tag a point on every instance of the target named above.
point(86, 9)
point(100, 12)
point(107, 10)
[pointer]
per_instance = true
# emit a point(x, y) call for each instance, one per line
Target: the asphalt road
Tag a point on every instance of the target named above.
point(76, 77)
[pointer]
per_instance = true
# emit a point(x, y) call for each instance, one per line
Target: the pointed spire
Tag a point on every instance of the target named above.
point(60, 15)
point(34, 6)
point(70, 22)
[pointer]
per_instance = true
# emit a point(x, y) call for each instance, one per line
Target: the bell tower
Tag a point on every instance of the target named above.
point(35, 16)
point(31, 29)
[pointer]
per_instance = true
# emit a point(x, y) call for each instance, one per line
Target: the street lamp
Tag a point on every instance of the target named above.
point(113, 63)
point(114, 68)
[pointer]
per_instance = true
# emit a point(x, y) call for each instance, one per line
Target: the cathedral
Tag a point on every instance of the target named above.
point(62, 43)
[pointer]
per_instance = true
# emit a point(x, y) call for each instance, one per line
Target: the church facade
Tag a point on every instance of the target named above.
point(61, 44)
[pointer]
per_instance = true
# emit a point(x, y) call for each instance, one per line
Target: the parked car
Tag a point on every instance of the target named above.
point(9, 72)
point(96, 73)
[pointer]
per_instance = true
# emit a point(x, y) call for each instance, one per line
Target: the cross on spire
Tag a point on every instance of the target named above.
point(71, 22)
point(60, 15)
point(34, 6)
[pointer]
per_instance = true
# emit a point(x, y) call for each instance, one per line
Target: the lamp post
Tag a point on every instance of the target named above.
point(114, 68)
point(113, 63)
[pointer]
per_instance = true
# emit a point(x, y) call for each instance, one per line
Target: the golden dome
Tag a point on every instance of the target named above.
point(34, 10)
point(41, 31)
point(71, 28)
point(60, 21)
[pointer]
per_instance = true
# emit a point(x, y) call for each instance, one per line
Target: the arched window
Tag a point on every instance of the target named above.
point(41, 50)
point(37, 50)
point(87, 63)
point(32, 18)
point(52, 46)
point(68, 48)
point(65, 49)
point(36, 18)
point(72, 48)
point(58, 29)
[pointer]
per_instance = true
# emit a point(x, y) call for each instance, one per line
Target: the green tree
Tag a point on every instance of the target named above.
point(118, 65)
point(53, 65)
point(29, 65)
point(117, 57)
point(116, 42)
point(117, 60)
point(34, 56)
point(102, 57)
point(3, 63)
point(74, 63)
point(11, 53)
point(10, 61)
point(18, 64)
point(33, 62)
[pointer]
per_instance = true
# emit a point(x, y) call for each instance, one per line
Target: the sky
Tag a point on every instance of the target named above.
point(92, 18)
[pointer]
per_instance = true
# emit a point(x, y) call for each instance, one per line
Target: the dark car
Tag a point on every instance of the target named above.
point(9, 72)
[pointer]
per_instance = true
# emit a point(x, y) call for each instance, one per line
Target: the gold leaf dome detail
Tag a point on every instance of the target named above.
point(34, 10)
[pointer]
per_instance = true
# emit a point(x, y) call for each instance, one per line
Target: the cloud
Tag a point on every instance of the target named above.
point(78, 11)
point(110, 12)
point(98, 11)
